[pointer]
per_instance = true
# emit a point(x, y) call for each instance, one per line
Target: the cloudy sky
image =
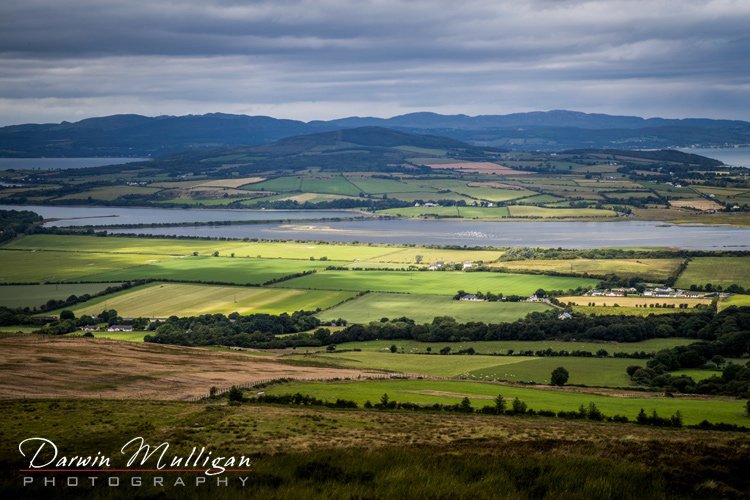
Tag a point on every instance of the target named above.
point(305, 59)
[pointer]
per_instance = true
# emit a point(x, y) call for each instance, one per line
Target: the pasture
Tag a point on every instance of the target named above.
point(423, 308)
point(652, 269)
point(722, 271)
point(161, 300)
point(503, 346)
point(435, 282)
point(244, 271)
point(171, 246)
point(598, 372)
point(734, 300)
point(481, 394)
point(30, 266)
point(37, 295)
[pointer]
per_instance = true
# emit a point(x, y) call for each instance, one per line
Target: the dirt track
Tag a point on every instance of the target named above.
point(55, 367)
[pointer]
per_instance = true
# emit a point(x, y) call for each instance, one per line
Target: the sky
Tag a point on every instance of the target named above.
point(323, 59)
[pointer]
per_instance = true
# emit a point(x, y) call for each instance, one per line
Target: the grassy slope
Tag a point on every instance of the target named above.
point(423, 308)
point(602, 372)
point(437, 283)
point(450, 392)
point(502, 346)
point(161, 300)
point(386, 454)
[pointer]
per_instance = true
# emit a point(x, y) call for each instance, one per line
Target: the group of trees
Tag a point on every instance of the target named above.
point(15, 222)
point(726, 336)
point(260, 330)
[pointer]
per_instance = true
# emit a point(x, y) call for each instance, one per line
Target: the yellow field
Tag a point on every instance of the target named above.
point(161, 300)
point(700, 204)
point(631, 301)
point(432, 255)
point(531, 211)
point(231, 183)
point(656, 269)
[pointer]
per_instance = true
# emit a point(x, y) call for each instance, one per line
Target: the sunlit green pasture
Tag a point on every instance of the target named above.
point(423, 308)
point(693, 410)
point(503, 346)
point(436, 282)
point(161, 300)
point(213, 269)
point(604, 372)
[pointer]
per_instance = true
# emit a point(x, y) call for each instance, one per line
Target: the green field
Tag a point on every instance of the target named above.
point(375, 185)
point(37, 295)
point(435, 282)
point(481, 394)
point(213, 269)
point(652, 269)
point(722, 271)
point(30, 266)
point(502, 346)
point(601, 372)
point(124, 336)
point(734, 300)
point(161, 300)
point(423, 308)
point(171, 246)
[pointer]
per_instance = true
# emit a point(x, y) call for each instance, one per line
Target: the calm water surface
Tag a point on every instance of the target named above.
point(103, 216)
point(471, 233)
point(61, 163)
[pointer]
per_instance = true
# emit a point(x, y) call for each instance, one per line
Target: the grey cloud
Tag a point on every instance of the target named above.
point(327, 56)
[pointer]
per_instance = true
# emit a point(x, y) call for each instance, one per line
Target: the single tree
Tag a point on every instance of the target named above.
point(559, 376)
point(500, 403)
point(235, 394)
point(394, 348)
point(466, 405)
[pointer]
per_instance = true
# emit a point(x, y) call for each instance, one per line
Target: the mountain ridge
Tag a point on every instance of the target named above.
point(139, 135)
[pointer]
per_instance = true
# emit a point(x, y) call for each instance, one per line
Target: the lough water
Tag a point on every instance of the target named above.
point(471, 233)
point(104, 216)
point(734, 157)
point(61, 163)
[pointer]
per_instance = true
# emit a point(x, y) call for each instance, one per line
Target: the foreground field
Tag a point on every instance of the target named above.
point(693, 410)
point(53, 367)
point(722, 271)
point(319, 453)
point(435, 283)
point(604, 372)
point(423, 308)
point(161, 300)
point(37, 295)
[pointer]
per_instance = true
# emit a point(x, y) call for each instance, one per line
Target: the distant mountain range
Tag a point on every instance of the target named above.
point(136, 135)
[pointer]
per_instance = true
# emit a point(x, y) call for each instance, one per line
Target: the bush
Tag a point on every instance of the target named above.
point(559, 376)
